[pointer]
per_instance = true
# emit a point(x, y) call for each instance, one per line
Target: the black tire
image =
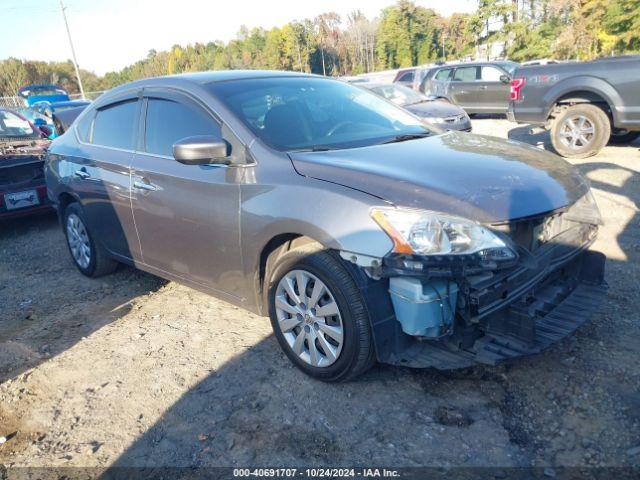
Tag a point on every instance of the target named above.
point(99, 261)
point(596, 118)
point(621, 137)
point(357, 354)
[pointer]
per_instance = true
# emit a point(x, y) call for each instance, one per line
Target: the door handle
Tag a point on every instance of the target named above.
point(483, 87)
point(82, 173)
point(142, 185)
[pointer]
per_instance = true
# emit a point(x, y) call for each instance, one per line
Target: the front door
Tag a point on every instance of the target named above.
point(187, 216)
point(462, 87)
point(493, 93)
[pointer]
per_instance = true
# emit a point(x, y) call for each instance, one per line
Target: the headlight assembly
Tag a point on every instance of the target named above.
point(425, 233)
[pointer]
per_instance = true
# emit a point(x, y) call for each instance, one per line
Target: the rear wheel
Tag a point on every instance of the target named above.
point(319, 315)
point(620, 136)
point(88, 255)
point(580, 131)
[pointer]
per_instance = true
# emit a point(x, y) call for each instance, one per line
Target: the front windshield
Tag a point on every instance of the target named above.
point(11, 125)
point(508, 66)
point(399, 94)
point(299, 113)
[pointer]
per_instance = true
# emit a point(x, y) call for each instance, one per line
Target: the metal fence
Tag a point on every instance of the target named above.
point(18, 102)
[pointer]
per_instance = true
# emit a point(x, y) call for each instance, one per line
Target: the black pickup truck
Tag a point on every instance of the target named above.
point(584, 104)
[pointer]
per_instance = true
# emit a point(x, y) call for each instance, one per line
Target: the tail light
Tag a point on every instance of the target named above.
point(516, 86)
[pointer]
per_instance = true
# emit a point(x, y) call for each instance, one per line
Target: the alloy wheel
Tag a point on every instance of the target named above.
point(309, 318)
point(78, 239)
point(577, 132)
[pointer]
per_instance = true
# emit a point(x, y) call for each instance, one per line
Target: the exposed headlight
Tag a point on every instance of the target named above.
point(421, 232)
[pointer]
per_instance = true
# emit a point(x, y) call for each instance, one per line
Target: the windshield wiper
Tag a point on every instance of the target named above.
point(407, 136)
point(315, 148)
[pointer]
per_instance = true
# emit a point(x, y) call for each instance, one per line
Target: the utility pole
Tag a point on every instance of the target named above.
point(73, 51)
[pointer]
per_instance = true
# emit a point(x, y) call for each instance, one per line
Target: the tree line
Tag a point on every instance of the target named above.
point(404, 34)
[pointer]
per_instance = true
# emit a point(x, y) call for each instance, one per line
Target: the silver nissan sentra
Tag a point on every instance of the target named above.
point(364, 234)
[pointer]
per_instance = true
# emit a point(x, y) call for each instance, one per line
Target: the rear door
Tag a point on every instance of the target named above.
point(187, 216)
point(463, 88)
point(493, 94)
point(101, 173)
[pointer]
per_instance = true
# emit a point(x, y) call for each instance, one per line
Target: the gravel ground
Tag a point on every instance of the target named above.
point(131, 370)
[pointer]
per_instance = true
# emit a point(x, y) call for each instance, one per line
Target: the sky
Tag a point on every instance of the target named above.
point(111, 34)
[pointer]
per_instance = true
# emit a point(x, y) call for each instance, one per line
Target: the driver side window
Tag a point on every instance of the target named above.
point(168, 121)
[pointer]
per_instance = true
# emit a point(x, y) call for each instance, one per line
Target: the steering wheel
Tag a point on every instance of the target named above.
point(337, 127)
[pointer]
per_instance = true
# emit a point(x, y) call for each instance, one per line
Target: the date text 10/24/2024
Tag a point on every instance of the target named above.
point(316, 472)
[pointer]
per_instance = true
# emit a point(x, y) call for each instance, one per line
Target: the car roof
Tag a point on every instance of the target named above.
point(208, 77)
point(472, 64)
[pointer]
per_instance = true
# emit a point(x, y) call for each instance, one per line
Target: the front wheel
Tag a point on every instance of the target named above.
point(319, 316)
point(580, 131)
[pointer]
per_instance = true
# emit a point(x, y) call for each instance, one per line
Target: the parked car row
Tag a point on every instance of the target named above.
point(362, 232)
point(585, 105)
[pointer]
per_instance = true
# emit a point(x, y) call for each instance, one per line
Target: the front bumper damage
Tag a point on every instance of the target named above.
point(495, 316)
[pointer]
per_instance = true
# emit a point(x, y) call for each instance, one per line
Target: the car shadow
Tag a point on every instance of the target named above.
point(542, 138)
point(257, 409)
point(47, 305)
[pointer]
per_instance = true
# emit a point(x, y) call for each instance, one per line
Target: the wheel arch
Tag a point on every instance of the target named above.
point(63, 200)
point(583, 89)
point(275, 247)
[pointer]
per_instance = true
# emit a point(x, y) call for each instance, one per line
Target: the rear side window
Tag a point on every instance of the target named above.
point(465, 74)
point(113, 126)
point(169, 121)
point(491, 74)
point(443, 74)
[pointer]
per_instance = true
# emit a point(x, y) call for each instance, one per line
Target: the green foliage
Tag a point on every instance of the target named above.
point(405, 34)
point(408, 35)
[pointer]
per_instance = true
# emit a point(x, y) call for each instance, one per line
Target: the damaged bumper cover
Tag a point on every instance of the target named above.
point(481, 315)
point(545, 311)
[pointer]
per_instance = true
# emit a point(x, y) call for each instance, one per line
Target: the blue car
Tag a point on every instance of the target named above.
point(38, 93)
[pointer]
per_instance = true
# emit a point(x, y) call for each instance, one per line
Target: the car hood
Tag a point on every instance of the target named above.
point(483, 178)
point(435, 108)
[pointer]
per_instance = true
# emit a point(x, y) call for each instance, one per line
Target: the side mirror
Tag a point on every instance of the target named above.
point(201, 150)
point(505, 78)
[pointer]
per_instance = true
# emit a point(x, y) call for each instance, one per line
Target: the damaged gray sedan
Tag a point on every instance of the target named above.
point(361, 233)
